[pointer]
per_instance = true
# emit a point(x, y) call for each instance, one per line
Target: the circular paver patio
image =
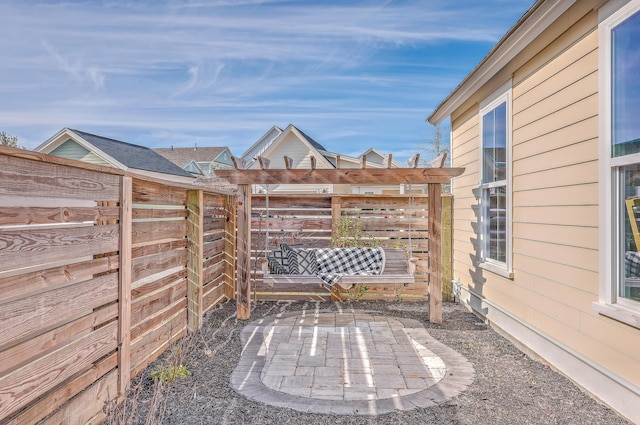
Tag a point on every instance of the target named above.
point(352, 362)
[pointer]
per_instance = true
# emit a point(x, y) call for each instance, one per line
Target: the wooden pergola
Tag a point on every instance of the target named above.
point(433, 177)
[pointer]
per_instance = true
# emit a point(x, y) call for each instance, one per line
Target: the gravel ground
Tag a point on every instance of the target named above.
point(509, 387)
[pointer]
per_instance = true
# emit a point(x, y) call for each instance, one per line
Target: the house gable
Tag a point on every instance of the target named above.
point(73, 150)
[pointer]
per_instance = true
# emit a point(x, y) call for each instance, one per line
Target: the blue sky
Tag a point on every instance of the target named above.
point(351, 74)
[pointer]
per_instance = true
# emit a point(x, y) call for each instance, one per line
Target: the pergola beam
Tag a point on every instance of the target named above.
point(356, 176)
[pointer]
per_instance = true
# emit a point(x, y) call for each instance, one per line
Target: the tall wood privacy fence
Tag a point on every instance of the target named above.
point(100, 271)
point(309, 221)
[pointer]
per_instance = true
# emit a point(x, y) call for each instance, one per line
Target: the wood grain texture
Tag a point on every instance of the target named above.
point(26, 384)
point(27, 178)
point(243, 294)
point(24, 248)
point(146, 192)
point(23, 317)
point(124, 286)
point(435, 253)
point(341, 176)
point(195, 250)
point(15, 216)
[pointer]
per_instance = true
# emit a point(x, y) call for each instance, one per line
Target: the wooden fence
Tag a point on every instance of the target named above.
point(100, 271)
point(309, 221)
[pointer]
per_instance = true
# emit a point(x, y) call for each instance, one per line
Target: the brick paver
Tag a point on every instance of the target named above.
point(347, 363)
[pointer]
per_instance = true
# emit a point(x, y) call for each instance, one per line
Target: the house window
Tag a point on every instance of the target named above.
point(495, 198)
point(620, 146)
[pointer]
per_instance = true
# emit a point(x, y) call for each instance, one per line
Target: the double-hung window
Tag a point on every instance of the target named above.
point(495, 198)
point(620, 152)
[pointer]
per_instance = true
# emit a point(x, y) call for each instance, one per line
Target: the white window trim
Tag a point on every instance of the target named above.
point(503, 94)
point(608, 303)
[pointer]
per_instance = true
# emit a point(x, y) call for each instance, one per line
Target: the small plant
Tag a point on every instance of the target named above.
point(167, 374)
point(348, 233)
point(358, 292)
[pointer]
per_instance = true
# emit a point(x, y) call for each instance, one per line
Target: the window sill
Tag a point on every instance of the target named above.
point(493, 268)
point(625, 315)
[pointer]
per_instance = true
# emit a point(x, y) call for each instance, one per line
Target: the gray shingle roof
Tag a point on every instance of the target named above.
point(310, 139)
point(133, 156)
point(182, 156)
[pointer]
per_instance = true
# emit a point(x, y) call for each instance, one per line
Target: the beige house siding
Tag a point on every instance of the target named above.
point(555, 214)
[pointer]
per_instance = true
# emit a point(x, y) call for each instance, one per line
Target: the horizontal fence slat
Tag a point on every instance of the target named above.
point(35, 379)
point(152, 193)
point(22, 353)
point(148, 306)
point(31, 283)
point(156, 213)
point(24, 248)
point(157, 247)
point(24, 177)
point(149, 231)
point(154, 285)
point(54, 399)
point(40, 312)
point(151, 345)
point(156, 263)
point(14, 216)
point(157, 319)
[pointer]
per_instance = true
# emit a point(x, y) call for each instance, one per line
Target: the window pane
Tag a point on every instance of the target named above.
point(496, 214)
point(630, 286)
point(625, 68)
point(494, 142)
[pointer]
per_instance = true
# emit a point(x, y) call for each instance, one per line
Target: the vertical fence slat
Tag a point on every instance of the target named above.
point(435, 256)
point(243, 297)
point(124, 287)
point(195, 219)
point(230, 247)
point(447, 247)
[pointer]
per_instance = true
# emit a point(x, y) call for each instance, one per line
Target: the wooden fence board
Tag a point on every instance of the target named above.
point(158, 213)
point(213, 248)
point(54, 399)
point(147, 348)
point(38, 179)
point(158, 247)
point(38, 377)
point(20, 354)
point(152, 286)
point(156, 263)
point(15, 216)
point(145, 192)
point(148, 306)
point(87, 407)
point(23, 317)
point(213, 201)
point(24, 248)
point(214, 271)
point(148, 231)
point(32, 283)
point(160, 317)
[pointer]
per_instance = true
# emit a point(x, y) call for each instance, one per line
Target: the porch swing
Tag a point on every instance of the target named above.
point(397, 267)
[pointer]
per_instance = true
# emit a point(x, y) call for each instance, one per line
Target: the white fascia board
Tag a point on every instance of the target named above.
point(537, 19)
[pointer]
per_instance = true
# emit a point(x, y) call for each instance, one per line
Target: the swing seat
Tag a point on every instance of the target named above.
point(397, 270)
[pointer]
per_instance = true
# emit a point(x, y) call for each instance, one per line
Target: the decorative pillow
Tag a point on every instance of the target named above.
point(307, 261)
point(292, 258)
point(281, 258)
point(275, 267)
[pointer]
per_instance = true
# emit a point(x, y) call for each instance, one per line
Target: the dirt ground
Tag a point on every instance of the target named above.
point(509, 387)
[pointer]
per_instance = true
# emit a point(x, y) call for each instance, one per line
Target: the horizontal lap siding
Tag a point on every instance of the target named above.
point(555, 186)
point(556, 246)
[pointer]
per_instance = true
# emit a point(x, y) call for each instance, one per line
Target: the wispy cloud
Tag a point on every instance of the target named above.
point(352, 73)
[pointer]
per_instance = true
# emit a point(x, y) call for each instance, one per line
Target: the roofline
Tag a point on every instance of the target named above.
point(291, 128)
point(275, 127)
point(84, 143)
point(535, 20)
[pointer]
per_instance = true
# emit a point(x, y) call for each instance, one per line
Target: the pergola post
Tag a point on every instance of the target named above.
point(243, 289)
point(435, 253)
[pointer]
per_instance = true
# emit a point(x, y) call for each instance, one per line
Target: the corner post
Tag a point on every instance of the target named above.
point(447, 247)
point(195, 228)
point(230, 247)
point(124, 285)
point(435, 253)
point(243, 294)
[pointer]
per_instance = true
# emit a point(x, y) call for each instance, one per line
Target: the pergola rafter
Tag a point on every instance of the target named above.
point(434, 177)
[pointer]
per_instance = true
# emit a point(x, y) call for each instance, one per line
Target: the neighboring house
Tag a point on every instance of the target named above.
point(292, 142)
point(199, 161)
point(546, 243)
point(76, 144)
